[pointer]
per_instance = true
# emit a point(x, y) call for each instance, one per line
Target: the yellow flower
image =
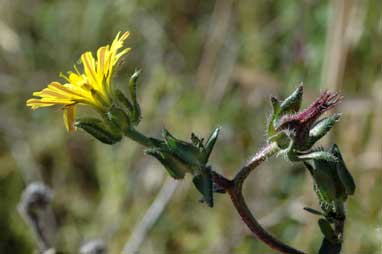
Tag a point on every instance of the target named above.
point(92, 87)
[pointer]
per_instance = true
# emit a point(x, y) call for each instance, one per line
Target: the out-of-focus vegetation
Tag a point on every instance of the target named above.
point(205, 64)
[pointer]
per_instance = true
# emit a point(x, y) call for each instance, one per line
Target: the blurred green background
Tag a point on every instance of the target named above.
point(205, 64)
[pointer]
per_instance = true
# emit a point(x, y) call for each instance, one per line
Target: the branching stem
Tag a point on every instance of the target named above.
point(234, 188)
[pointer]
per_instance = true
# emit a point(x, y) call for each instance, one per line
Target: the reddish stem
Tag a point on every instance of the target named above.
point(234, 190)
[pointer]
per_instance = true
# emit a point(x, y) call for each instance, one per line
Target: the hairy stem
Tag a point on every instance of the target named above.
point(234, 188)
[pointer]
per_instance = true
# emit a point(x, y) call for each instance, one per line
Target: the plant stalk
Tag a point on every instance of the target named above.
point(234, 188)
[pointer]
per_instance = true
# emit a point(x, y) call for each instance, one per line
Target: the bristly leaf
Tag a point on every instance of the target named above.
point(97, 129)
point(288, 106)
point(343, 173)
point(320, 129)
point(318, 155)
point(203, 182)
point(292, 103)
point(275, 105)
point(330, 168)
point(325, 183)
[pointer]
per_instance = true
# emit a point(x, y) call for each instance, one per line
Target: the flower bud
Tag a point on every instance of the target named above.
point(299, 125)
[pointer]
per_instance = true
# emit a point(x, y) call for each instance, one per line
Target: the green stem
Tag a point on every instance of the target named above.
point(138, 137)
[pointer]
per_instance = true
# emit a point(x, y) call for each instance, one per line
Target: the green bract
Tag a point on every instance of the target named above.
point(290, 105)
point(99, 130)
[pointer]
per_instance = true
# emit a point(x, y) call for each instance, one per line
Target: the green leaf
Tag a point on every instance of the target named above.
point(136, 112)
point(326, 205)
point(203, 182)
point(210, 145)
point(275, 105)
point(321, 128)
point(343, 173)
point(97, 129)
point(318, 155)
point(313, 211)
point(288, 106)
point(276, 109)
point(327, 230)
point(292, 103)
point(323, 187)
point(327, 247)
point(325, 183)
point(174, 167)
point(186, 152)
point(309, 167)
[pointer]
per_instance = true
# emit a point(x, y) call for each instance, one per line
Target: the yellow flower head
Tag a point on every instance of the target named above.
point(91, 87)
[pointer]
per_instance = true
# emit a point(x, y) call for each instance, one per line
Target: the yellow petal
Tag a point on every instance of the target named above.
point(101, 57)
point(88, 62)
point(47, 93)
point(69, 118)
point(90, 86)
point(37, 103)
point(58, 87)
